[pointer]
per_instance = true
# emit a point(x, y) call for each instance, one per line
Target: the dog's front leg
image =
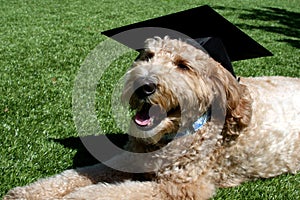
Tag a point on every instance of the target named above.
point(52, 187)
point(200, 189)
point(62, 184)
point(128, 190)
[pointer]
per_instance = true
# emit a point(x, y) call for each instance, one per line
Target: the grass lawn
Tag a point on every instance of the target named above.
point(43, 44)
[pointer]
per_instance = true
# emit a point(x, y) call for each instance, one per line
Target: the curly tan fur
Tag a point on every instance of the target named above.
point(253, 132)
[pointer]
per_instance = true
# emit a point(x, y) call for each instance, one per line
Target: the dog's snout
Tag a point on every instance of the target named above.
point(144, 87)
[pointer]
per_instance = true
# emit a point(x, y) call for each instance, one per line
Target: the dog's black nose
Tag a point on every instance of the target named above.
point(144, 87)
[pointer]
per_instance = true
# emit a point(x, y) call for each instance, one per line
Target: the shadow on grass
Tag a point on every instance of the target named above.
point(280, 21)
point(83, 157)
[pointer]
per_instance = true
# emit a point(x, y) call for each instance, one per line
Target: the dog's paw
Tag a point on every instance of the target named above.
point(31, 192)
point(16, 193)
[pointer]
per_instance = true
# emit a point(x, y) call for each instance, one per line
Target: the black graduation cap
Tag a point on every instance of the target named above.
point(220, 38)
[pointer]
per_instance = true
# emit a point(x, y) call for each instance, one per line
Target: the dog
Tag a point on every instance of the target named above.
point(199, 127)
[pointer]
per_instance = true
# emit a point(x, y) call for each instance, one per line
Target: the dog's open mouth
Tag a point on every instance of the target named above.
point(148, 115)
point(142, 117)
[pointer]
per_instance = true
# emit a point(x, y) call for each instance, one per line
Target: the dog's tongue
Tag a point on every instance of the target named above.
point(142, 118)
point(147, 114)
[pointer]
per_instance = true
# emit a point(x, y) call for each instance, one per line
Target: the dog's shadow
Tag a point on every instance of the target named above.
point(85, 158)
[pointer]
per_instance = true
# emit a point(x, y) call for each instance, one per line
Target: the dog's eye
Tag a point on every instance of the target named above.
point(145, 56)
point(182, 65)
point(148, 56)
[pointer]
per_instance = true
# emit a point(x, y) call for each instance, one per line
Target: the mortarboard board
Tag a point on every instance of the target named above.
point(222, 40)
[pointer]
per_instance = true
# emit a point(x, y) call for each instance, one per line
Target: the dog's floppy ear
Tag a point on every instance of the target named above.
point(234, 99)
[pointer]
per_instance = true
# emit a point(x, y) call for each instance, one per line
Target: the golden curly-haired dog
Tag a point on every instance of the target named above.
point(199, 127)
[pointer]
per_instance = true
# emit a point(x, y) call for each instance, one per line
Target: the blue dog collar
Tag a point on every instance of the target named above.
point(197, 125)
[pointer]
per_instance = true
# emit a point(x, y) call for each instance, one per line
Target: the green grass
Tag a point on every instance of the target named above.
point(43, 44)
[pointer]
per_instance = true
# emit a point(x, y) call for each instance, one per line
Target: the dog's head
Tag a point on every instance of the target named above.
point(173, 83)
